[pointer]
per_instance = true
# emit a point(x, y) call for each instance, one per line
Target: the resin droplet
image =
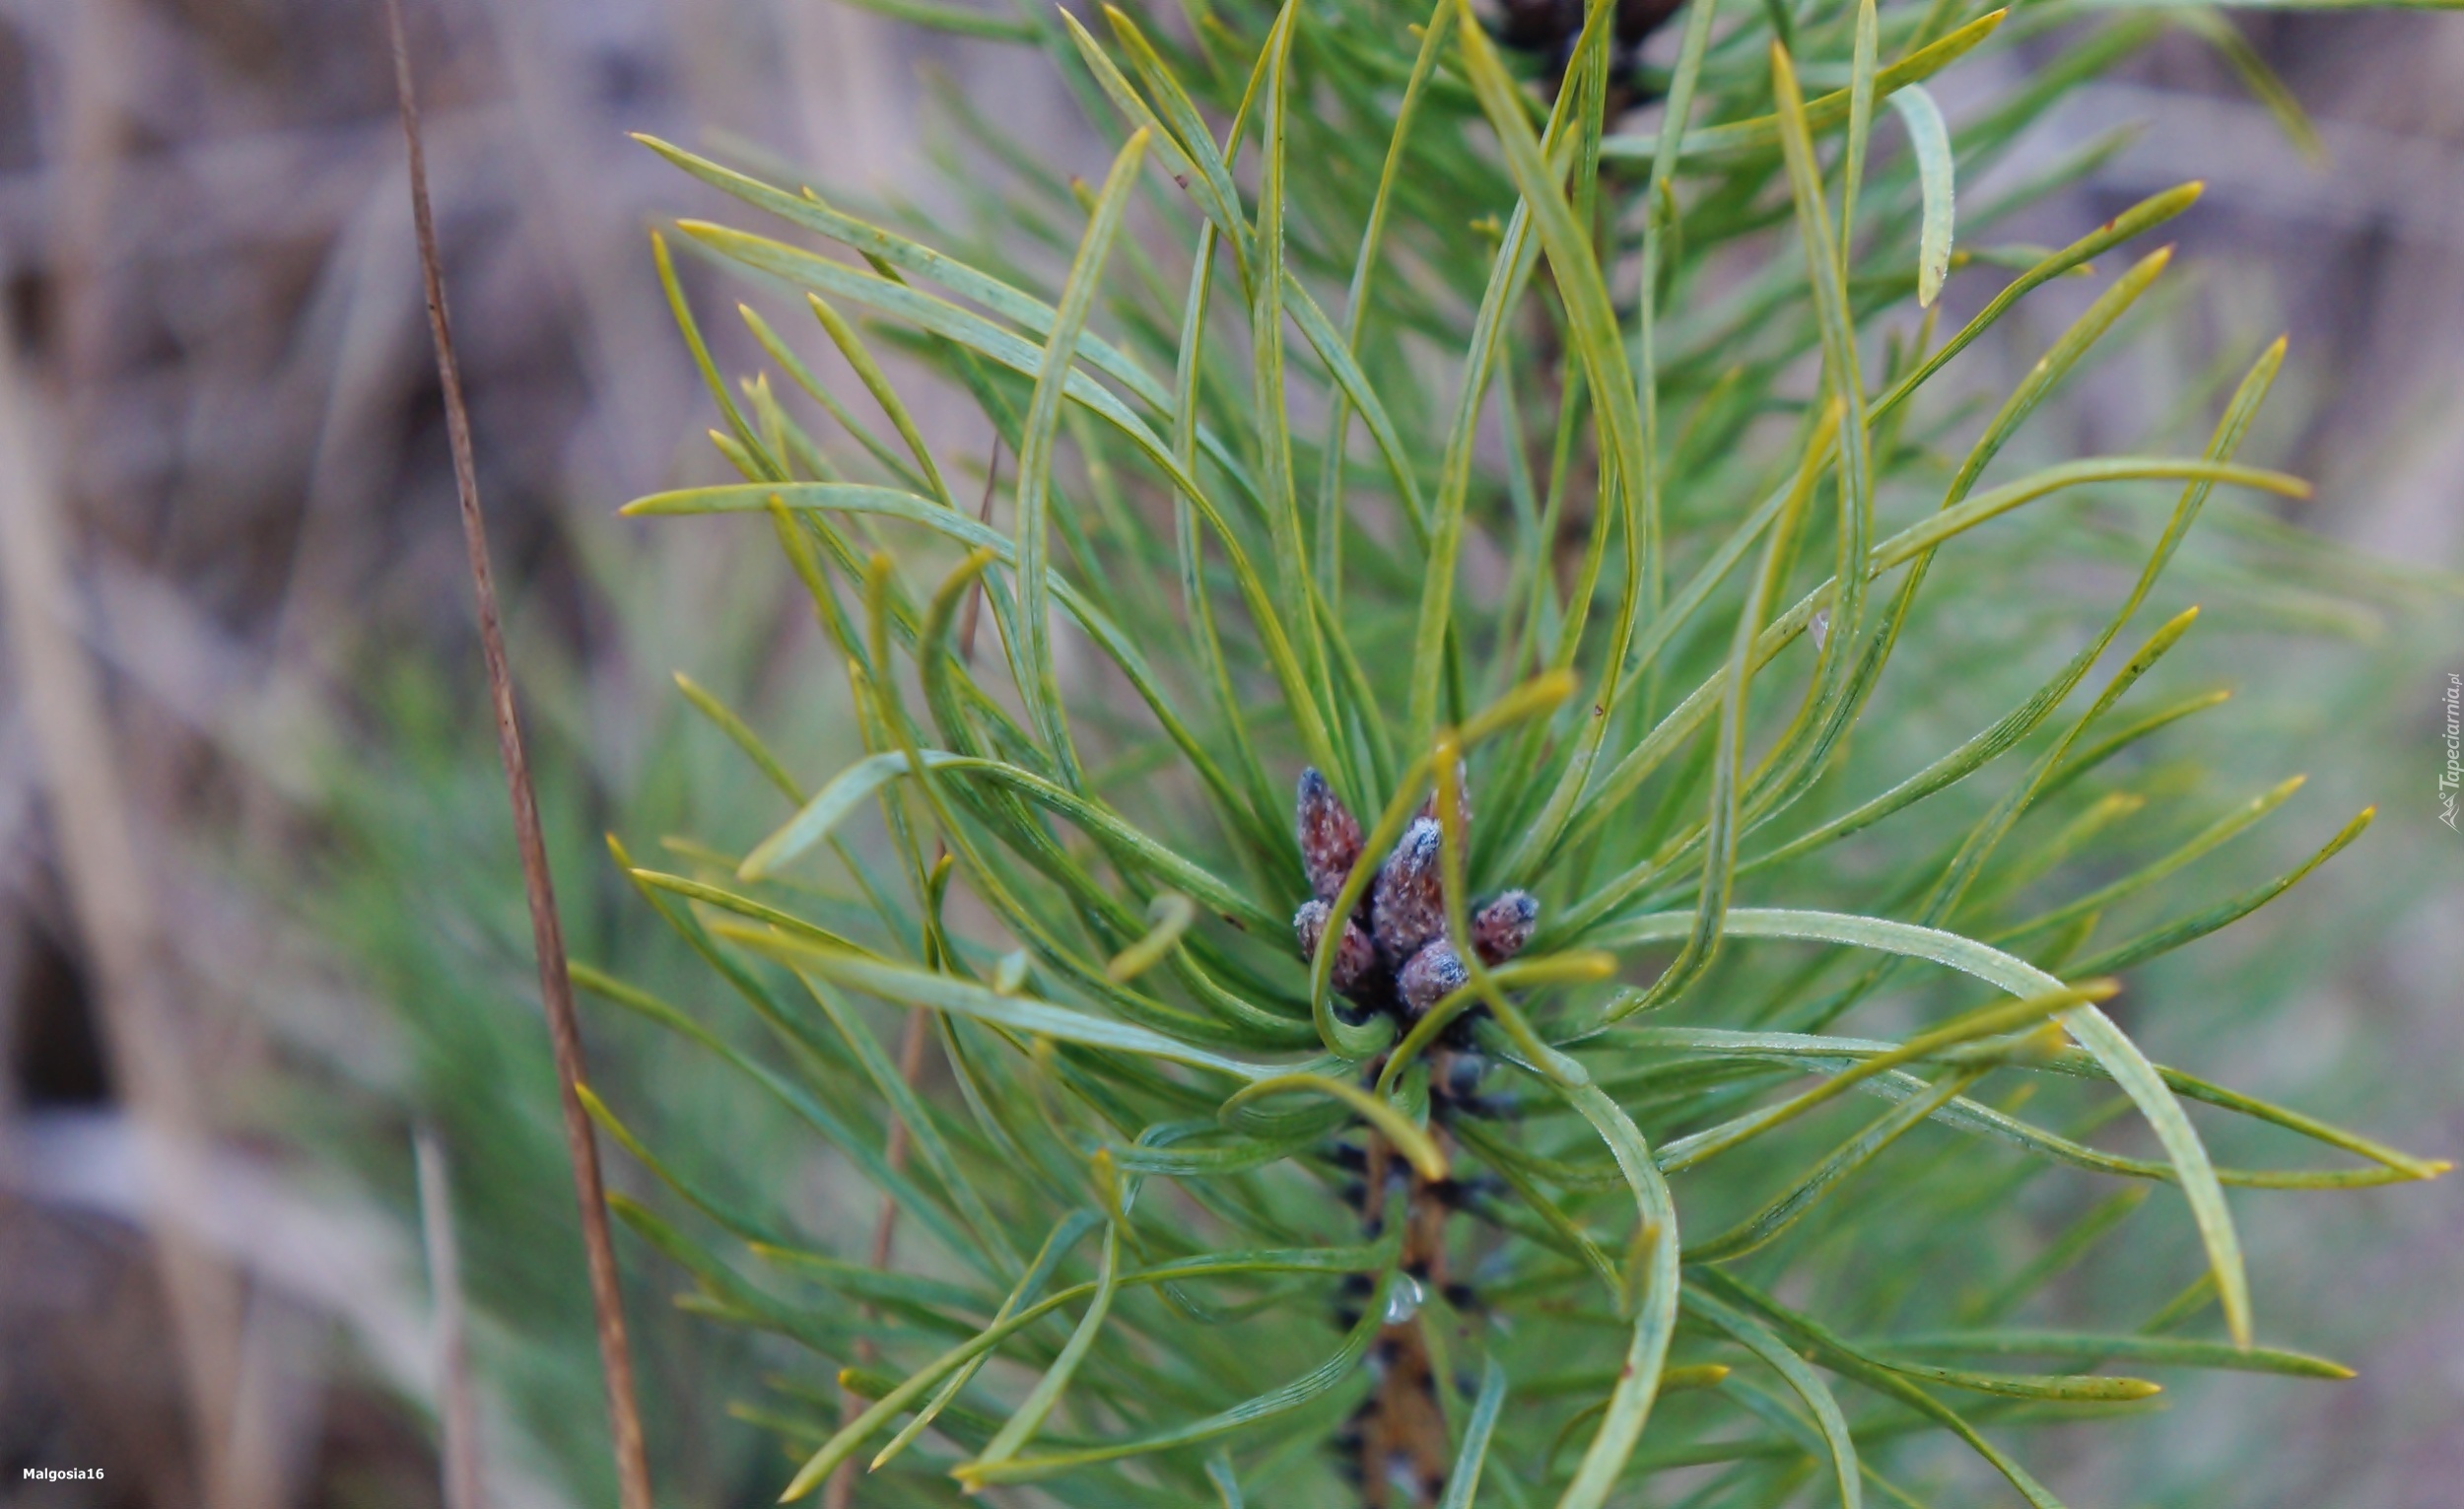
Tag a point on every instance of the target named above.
point(1330, 836)
point(1355, 954)
point(1403, 1301)
point(1411, 897)
point(1502, 929)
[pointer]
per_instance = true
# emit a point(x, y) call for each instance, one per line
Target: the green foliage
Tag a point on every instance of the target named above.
point(1178, 1219)
point(407, 884)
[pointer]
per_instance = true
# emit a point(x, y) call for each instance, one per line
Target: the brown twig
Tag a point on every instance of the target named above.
point(1402, 1425)
point(556, 991)
point(841, 1491)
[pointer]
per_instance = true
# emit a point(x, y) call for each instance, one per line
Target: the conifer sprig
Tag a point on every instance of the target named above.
point(1270, 1143)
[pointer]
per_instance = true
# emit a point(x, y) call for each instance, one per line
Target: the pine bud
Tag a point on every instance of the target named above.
point(1502, 929)
point(1330, 836)
point(1433, 974)
point(1461, 1079)
point(1355, 954)
point(1411, 896)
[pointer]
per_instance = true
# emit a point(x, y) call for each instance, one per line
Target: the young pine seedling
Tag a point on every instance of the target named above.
point(1720, 1117)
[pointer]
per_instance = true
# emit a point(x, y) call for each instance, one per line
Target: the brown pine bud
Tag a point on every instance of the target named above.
point(1502, 929)
point(1330, 836)
point(1411, 894)
point(1433, 974)
point(1355, 954)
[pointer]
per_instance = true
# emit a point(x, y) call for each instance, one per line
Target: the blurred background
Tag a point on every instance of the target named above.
point(257, 890)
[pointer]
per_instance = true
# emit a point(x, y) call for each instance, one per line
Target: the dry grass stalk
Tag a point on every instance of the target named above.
point(456, 1408)
point(556, 989)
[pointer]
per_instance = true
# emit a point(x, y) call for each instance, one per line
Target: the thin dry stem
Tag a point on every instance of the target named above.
point(841, 1491)
point(458, 1406)
point(556, 991)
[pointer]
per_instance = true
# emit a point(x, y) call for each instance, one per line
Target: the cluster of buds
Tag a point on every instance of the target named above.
point(1551, 29)
point(1394, 955)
